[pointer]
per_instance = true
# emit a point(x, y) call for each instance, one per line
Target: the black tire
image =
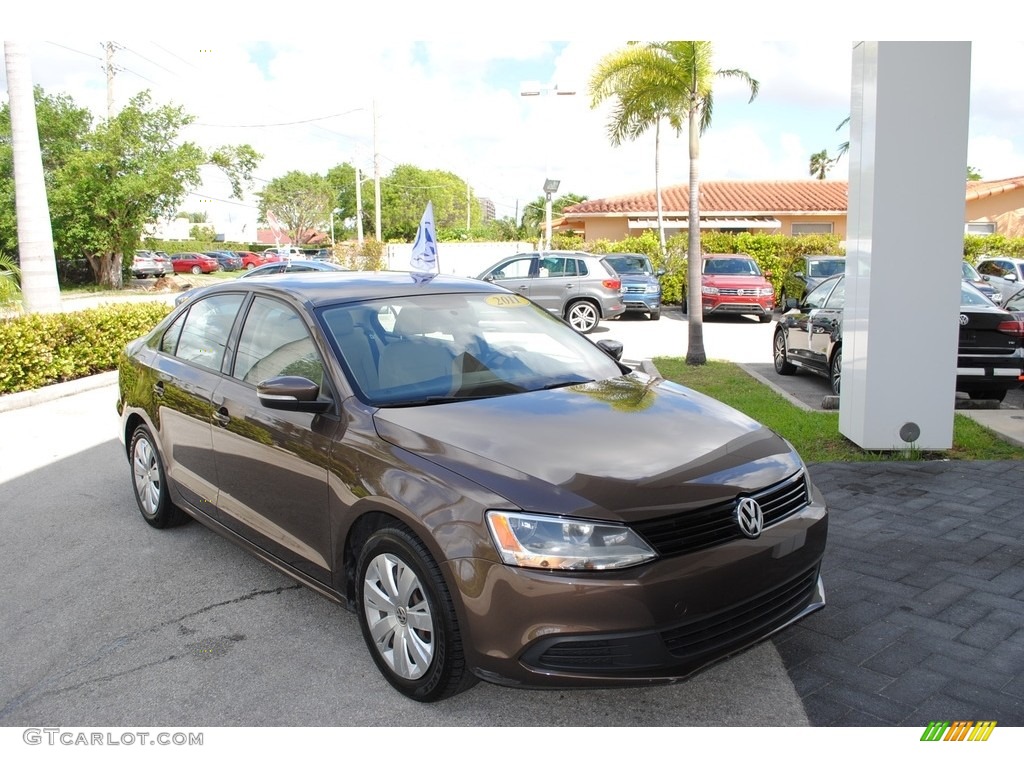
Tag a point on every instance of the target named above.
point(150, 483)
point(782, 366)
point(986, 393)
point(656, 315)
point(583, 315)
point(436, 667)
point(197, 270)
point(765, 318)
point(835, 368)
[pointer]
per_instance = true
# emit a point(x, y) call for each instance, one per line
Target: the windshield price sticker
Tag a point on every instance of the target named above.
point(507, 300)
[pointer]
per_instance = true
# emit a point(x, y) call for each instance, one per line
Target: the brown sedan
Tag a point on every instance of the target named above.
point(444, 458)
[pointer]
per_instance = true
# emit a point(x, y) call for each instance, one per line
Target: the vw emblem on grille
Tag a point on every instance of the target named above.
point(749, 517)
point(964, 320)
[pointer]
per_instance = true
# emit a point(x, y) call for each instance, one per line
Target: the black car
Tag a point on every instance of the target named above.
point(990, 355)
point(441, 457)
point(228, 261)
point(805, 273)
point(273, 268)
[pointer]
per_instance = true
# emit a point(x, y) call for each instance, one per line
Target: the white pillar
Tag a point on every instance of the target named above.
point(908, 161)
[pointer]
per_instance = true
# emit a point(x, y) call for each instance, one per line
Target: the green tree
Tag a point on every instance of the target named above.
point(404, 194)
point(10, 283)
point(301, 201)
point(845, 146)
point(130, 170)
point(534, 213)
point(643, 98)
point(973, 174)
point(678, 78)
point(342, 179)
point(821, 164)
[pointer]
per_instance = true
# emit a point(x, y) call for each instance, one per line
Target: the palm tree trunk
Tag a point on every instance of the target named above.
point(39, 287)
point(657, 184)
point(695, 354)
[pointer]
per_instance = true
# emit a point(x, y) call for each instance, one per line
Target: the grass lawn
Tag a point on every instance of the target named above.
point(816, 434)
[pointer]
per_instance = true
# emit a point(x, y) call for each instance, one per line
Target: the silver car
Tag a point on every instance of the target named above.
point(574, 285)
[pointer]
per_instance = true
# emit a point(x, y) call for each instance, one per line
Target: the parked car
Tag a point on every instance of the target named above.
point(983, 284)
point(579, 287)
point(1003, 273)
point(804, 273)
point(439, 457)
point(276, 268)
point(990, 353)
point(641, 289)
point(250, 259)
point(1014, 303)
point(145, 264)
point(732, 284)
point(228, 261)
point(196, 263)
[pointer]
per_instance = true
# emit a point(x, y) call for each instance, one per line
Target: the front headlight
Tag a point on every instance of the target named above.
point(709, 289)
point(767, 291)
point(555, 543)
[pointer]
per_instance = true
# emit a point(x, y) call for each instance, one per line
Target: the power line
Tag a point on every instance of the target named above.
point(155, 64)
point(82, 53)
point(172, 53)
point(277, 125)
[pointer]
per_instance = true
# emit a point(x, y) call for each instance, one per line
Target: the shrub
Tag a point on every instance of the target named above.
point(36, 349)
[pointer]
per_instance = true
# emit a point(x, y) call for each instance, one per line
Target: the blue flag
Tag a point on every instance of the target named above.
point(424, 249)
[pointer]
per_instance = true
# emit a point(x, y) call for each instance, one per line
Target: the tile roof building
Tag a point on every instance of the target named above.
point(784, 207)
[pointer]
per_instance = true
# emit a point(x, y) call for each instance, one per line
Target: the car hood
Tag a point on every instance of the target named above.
point(735, 281)
point(624, 449)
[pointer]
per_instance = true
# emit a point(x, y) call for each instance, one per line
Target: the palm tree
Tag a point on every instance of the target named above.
point(675, 79)
point(642, 101)
point(39, 287)
point(845, 146)
point(821, 164)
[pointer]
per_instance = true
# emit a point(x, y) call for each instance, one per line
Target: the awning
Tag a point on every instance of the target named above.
point(723, 222)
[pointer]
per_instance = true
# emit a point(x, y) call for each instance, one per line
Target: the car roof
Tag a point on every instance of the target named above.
point(316, 289)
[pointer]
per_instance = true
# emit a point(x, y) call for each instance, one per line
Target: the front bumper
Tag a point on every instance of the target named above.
point(655, 623)
point(735, 305)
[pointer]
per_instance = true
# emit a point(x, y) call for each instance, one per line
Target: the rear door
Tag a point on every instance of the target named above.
point(556, 283)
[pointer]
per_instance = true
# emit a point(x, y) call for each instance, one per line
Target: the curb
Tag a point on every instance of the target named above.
point(50, 392)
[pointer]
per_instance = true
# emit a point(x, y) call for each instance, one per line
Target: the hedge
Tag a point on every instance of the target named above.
point(36, 350)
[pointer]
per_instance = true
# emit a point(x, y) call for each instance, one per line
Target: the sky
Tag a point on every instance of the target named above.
point(446, 91)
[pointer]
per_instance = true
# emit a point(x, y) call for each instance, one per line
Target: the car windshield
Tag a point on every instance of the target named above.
point(731, 267)
point(427, 349)
point(972, 297)
point(630, 265)
point(969, 272)
point(825, 267)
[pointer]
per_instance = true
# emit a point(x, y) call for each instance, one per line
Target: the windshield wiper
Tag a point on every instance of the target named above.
point(560, 384)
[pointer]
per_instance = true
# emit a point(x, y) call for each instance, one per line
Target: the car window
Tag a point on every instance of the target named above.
point(629, 265)
point(557, 266)
point(825, 267)
point(169, 341)
point(511, 270)
point(275, 342)
point(816, 298)
point(581, 268)
point(968, 271)
point(1016, 302)
point(207, 326)
point(837, 297)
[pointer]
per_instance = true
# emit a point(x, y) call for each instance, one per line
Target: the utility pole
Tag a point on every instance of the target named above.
point(109, 46)
point(359, 206)
point(376, 174)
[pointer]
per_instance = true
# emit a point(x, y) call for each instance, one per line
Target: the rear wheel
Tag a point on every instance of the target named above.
point(835, 370)
point(782, 366)
point(150, 483)
point(987, 393)
point(583, 316)
point(197, 270)
point(408, 619)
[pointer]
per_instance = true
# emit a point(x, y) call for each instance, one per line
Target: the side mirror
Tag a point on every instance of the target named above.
point(291, 393)
point(659, 273)
point(611, 348)
point(1010, 276)
point(791, 303)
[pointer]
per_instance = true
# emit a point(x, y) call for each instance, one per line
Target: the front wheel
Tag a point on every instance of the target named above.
point(765, 318)
point(987, 394)
point(150, 483)
point(408, 619)
point(782, 365)
point(835, 369)
point(583, 316)
point(656, 315)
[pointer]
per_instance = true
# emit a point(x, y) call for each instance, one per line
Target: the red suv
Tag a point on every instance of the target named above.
point(732, 284)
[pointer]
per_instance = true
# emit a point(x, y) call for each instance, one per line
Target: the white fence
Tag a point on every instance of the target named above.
point(462, 259)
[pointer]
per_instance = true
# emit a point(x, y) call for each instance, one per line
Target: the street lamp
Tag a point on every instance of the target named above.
point(550, 187)
point(336, 210)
